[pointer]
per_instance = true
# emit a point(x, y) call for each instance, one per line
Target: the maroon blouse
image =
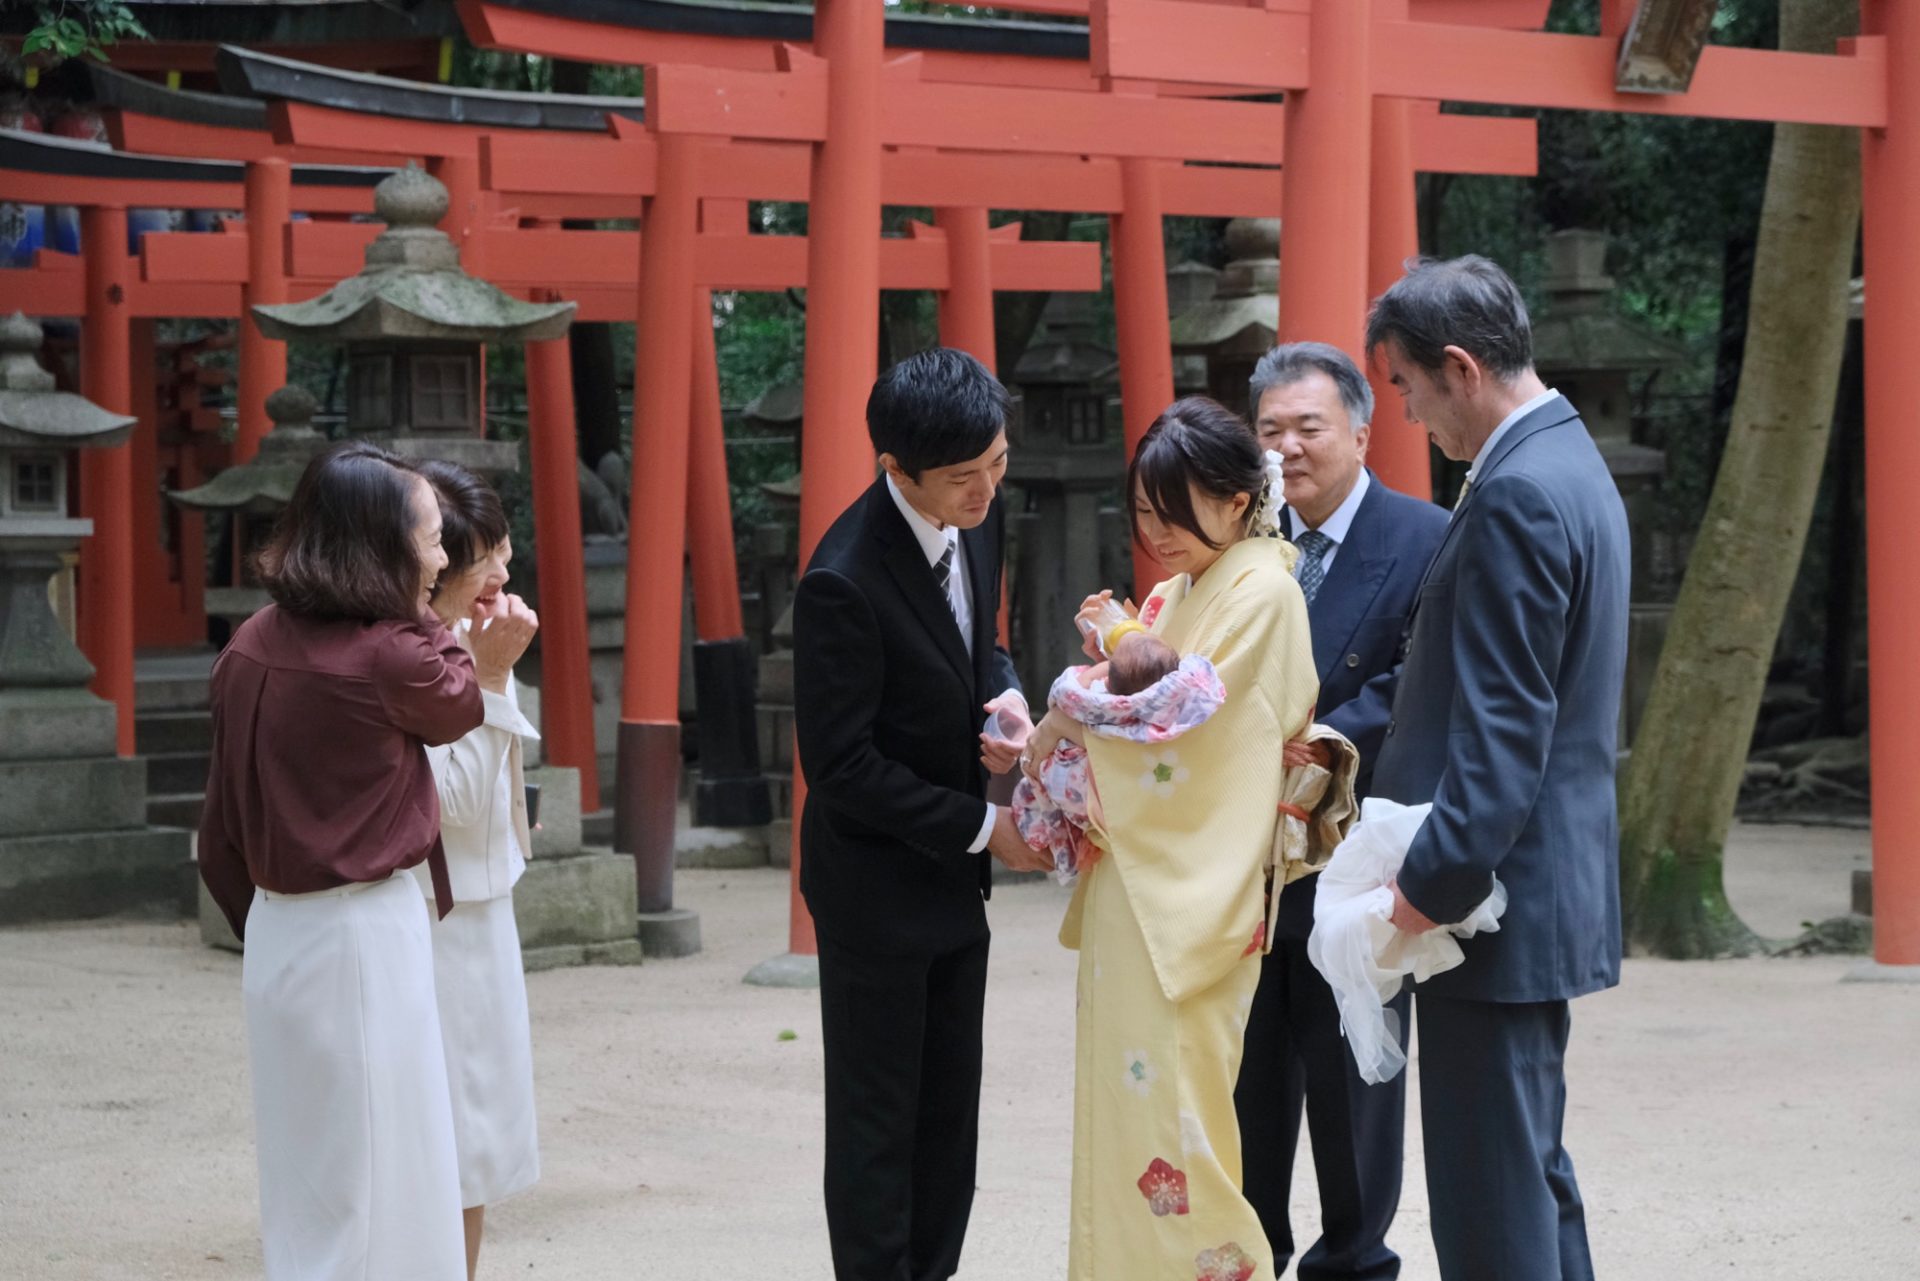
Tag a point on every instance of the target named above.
point(319, 775)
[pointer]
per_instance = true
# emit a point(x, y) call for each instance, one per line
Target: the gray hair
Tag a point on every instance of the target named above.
point(1290, 362)
point(1466, 302)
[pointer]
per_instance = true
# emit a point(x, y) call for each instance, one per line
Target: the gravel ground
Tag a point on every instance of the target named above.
point(1744, 1119)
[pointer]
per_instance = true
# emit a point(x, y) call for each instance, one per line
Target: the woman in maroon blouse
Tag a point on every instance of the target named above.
point(319, 796)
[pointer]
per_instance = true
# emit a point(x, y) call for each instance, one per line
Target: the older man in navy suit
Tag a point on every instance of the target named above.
point(1363, 551)
point(1505, 719)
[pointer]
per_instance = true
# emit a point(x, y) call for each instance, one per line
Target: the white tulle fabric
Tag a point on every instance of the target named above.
point(1355, 946)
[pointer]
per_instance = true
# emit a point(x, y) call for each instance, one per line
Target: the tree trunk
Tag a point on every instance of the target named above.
point(1678, 795)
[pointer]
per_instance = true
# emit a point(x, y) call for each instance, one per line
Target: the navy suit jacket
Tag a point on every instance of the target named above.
point(1358, 618)
point(1507, 712)
point(887, 713)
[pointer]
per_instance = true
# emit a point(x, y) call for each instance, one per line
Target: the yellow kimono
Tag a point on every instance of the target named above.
point(1171, 925)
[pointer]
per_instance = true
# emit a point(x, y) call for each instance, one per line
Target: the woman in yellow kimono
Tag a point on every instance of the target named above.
point(1170, 921)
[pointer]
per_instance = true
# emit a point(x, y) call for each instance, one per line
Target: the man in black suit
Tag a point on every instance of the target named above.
point(1363, 551)
point(895, 662)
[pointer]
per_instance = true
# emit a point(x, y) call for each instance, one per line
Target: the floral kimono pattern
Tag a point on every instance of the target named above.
point(1053, 816)
point(1170, 925)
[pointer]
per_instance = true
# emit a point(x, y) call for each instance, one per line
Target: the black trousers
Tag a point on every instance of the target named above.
point(1493, 1094)
point(1294, 1053)
point(901, 1036)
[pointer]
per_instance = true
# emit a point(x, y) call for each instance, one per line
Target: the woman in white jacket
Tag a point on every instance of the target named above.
point(478, 978)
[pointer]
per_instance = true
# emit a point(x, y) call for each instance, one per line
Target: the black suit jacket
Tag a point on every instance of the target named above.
point(887, 714)
point(1357, 619)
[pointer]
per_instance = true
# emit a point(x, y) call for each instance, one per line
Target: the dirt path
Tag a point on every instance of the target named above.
point(1743, 1119)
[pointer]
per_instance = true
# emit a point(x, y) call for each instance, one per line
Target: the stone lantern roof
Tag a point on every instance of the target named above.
point(32, 412)
point(265, 484)
point(412, 288)
point(1580, 329)
point(1248, 297)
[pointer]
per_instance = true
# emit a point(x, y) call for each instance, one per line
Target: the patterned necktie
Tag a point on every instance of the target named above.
point(1461, 498)
point(943, 569)
point(1311, 572)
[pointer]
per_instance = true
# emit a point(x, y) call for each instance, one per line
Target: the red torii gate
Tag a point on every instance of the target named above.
point(796, 103)
point(1343, 61)
point(528, 260)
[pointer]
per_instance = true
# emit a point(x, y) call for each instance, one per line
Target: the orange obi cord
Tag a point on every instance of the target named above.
point(1294, 811)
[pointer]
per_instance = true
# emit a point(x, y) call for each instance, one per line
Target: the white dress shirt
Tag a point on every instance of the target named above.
point(1506, 425)
point(483, 798)
point(934, 541)
point(1336, 526)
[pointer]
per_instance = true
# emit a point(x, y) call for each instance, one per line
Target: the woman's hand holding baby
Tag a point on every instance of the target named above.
point(1046, 736)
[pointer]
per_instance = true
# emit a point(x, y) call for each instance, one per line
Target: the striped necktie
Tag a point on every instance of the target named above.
point(943, 569)
point(1311, 571)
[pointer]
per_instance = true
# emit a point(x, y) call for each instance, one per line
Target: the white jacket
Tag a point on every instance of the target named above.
point(483, 803)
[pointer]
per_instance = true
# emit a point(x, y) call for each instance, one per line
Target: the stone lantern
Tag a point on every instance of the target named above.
point(1602, 360)
point(1236, 326)
point(254, 493)
point(1068, 460)
point(413, 324)
point(73, 834)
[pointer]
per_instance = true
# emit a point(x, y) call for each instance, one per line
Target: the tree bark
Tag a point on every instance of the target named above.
point(1678, 795)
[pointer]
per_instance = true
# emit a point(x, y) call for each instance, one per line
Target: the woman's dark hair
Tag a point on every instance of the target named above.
point(472, 522)
point(1196, 443)
point(936, 408)
point(343, 548)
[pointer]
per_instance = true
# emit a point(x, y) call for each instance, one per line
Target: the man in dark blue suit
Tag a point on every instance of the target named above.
point(1363, 551)
point(1505, 718)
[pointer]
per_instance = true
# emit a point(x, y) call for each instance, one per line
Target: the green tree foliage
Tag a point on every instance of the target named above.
point(80, 28)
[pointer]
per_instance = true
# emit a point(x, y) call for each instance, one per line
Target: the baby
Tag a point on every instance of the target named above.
point(1144, 692)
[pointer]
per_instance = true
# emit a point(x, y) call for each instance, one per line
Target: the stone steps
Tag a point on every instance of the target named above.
point(179, 809)
point(183, 730)
point(176, 773)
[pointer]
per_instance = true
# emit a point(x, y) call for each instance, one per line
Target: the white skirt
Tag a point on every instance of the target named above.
point(482, 990)
point(355, 1133)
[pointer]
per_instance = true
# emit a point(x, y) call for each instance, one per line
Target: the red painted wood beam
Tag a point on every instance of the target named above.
point(1576, 73)
point(142, 193)
point(1444, 61)
point(791, 106)
point(1170, 40)
point(152, 135)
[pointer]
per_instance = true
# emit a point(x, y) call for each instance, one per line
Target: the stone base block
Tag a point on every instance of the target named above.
point(674, 932)
point(559, 830)
point(720, 847)
point(48, 724)
point(587, 899)
point(568, 955)
point(85, 795)
point(75, 875)
point(1874, 972)
point(790, 969)
point(571, 911)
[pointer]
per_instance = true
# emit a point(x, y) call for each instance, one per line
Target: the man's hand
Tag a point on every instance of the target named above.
point(1406, 917)
point(499, 637)
point(1298, 752)
point(1006, 844)
point(1001, 754)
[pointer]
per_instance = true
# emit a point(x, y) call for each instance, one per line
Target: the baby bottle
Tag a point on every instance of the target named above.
point(1103, 621)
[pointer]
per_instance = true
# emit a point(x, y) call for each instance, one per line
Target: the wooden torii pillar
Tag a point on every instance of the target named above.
point(1360, 51)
